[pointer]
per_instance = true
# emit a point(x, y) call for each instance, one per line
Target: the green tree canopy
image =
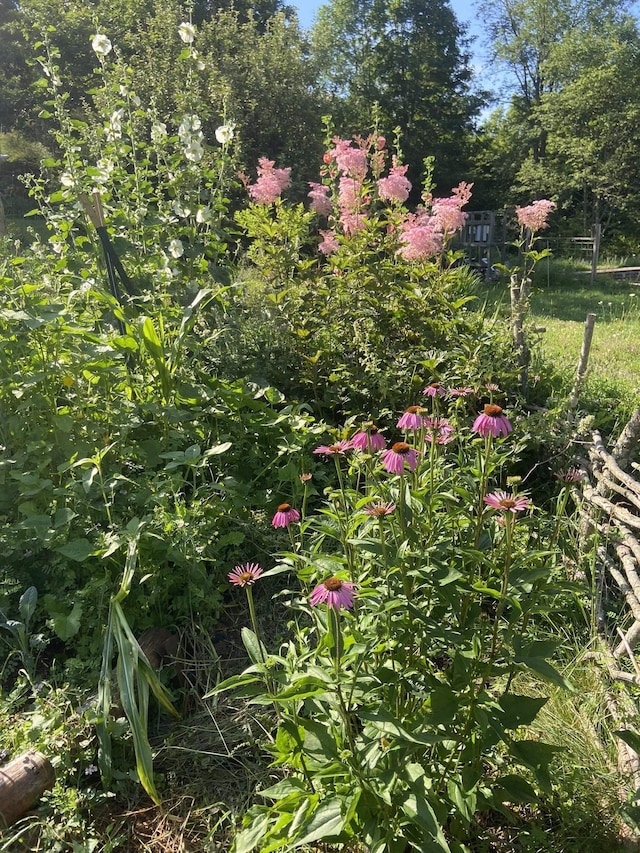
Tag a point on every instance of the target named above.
point(411, 59)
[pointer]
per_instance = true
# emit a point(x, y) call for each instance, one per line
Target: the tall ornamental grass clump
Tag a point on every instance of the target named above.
point(418, 592)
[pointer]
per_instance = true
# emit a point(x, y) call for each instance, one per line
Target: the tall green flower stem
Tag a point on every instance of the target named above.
point(402, 514)
point(509, 523)
point(482, 491)
point(335, 630)
point(256, 631)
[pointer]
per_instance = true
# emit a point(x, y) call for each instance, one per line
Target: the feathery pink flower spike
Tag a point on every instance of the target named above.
point(334, 593)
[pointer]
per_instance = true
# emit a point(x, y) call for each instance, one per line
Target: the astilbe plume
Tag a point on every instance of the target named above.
point(420, 236)
point(320, 201)
point(271, 182)
point(447, 211)
point(350, 161)
point(395, 187)
point(534, 216)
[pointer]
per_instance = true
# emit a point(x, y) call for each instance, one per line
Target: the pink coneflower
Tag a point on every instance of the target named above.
point(334, 593)
point(285, 514)
point(412, 418)
point(245, 575)
point(506, 502)
point(439, 429)
point(572, 475)
point(380, 509)
point(339, 448)
point(394, 459)
point(460, 392)
point(434, 390)
point(368, 439)
point(492, 422)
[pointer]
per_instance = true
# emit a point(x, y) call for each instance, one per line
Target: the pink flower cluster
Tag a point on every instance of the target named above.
point(447, 211)
point(534, 216)
point(420, 236)
point(350, 161)
point(271, 182)
point(395, 187)
point(320, 201)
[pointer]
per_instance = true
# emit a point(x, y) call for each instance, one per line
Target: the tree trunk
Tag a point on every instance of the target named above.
point(22, 781)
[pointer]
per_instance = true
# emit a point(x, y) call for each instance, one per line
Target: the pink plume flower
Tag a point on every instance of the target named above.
point(420, 237)
point(285, 515)
point(334, 593)
point(492, 421)
point(320, 201)
point(398, 454)
point(395, 187)
point(271, 182)
point(351, 161)
point(506, 502)
point(534, 217)
point(329, 242)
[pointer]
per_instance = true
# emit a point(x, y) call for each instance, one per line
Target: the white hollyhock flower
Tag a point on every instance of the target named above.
point(224, 133)
point(203, 215)
point(158, 131)
point(194, 151)
point(176, 249)
point(187, 32)
point(101, 44)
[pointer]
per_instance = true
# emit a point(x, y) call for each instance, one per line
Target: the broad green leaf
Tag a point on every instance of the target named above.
point(76, 549)
point(514, 789)
point(326, 822)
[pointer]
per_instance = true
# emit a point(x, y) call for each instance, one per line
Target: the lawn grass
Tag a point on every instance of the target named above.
point(561, 298)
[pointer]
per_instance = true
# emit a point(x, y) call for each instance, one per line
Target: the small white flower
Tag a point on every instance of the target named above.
point(187, 32)
point(176, 249)
point(115, 125)
point(203, 215)
point(181, 211)
point(194, 151)
point(158, 131)
point(188, 126)
point(66, 179)
point(101, 44)
point(224, 133)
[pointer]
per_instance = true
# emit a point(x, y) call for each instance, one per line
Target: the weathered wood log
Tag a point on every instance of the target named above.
point(22, 781)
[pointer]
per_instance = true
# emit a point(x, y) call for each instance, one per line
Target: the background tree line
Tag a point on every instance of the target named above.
point(570, 84)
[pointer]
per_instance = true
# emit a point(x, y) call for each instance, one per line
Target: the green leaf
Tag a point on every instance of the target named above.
point(326, 822)
point(537, 756)
point(249, 836)
point(67, 626)
point(255, 649)
point(76, 549)
point(630, 737)
point(520, 710)
point(302, 688)
point(27, 604)
point(514, 789)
